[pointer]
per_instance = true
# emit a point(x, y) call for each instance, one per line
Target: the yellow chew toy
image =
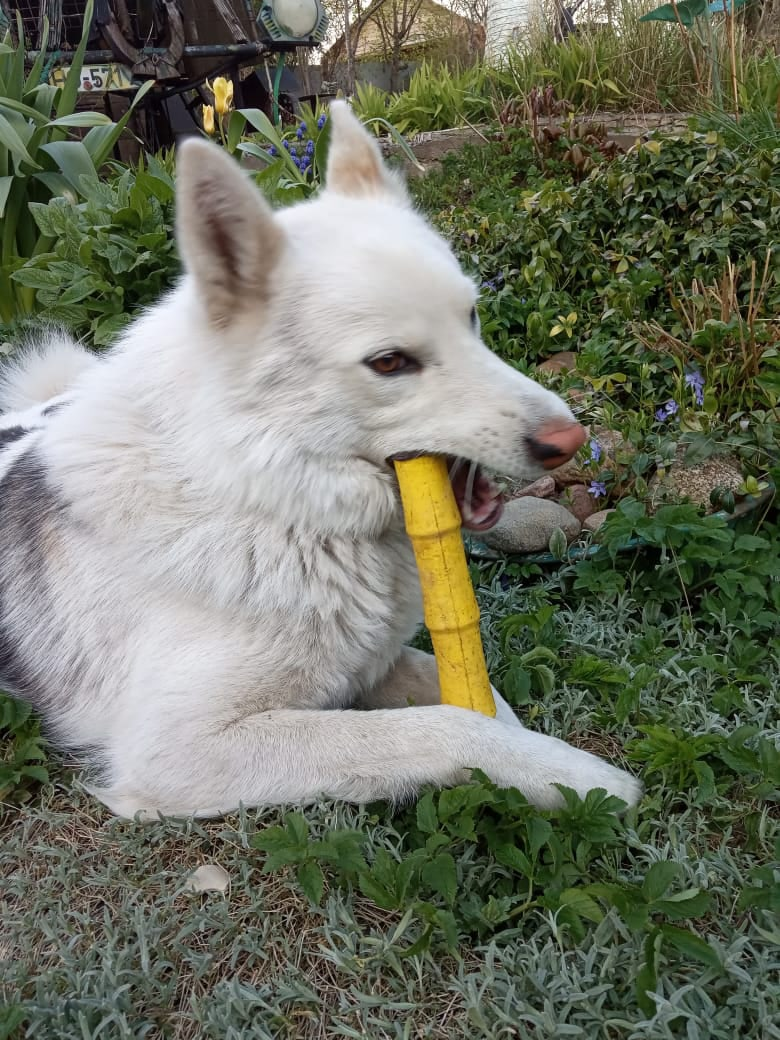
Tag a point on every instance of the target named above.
point(451, 612)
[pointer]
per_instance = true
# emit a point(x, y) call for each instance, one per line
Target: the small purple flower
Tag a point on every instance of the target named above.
point(597, 488)
point(272, 150)
point(321, 121)
point(297, 162)
point(299, 133)
point(491, 285)
point(293, 150)
point(666, 411)
point(286, 145)
point(310, 147)
point(695, 380)
point(595, 451)
point(302, 128)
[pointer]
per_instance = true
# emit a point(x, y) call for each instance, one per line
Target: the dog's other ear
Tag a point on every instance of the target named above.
point(355, 165)
point(228, 237)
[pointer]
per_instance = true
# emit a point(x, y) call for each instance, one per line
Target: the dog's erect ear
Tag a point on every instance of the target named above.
point(228, 237)
point(355, 165)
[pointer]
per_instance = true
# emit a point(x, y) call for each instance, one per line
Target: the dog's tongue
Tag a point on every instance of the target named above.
point(479, 500)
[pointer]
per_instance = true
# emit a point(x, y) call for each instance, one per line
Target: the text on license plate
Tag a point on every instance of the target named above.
point(96, 77)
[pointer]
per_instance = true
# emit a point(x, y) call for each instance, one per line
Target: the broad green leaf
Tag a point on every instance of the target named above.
point(73, 161)
point(683, 905)
point(539, 831)
point(298, 827)
point(69, 92)
point(25, 110)
point(658, 879)
point(647, 976)
point(55, 182)
point(101, 140)
point(311, 880)
point(16, 69)
point(442, 876)
point(236, 125)
point(5, 186)
point(260, 121)
point(582, 903)
point(35, 278)
point(691, 945)
point(514, 858)
point(377, 892)
point(79, 290)
point(250, 148)
point(11, 140)
point(82, 119)
point(687, 11)
point(427, 818)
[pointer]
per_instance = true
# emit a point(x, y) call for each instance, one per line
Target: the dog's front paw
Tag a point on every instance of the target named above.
point(589, 772)
point(537, 763)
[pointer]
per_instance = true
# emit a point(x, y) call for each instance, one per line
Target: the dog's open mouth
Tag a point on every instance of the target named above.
point(479, 499)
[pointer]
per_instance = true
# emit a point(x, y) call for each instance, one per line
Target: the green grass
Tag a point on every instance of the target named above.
point(100, 939)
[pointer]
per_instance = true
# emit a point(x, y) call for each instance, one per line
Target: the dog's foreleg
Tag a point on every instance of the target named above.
point(293, 756)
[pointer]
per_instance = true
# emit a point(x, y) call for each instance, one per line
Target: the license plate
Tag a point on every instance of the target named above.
point(96, 78)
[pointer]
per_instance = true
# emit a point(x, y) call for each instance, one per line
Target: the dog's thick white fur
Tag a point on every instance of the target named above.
point(205, 583)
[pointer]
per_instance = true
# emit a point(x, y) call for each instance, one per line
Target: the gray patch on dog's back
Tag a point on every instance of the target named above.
point(29, 508)
point(11, 434)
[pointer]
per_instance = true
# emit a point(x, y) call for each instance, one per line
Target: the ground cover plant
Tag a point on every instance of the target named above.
point(660, 269)
point(469, 913)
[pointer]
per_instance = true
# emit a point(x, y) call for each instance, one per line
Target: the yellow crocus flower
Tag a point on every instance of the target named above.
point(208, 118)
point(222, 89)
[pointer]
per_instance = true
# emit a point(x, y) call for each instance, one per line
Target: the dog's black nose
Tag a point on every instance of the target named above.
point(556, 442)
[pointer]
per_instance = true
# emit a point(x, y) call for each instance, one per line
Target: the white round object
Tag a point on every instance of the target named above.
point(298, 18)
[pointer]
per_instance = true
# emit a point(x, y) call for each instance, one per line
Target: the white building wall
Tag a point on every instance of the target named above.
point(505, 20)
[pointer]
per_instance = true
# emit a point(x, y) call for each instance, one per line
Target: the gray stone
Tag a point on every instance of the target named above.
point(578, 500)
point(564, 361)
point(595, 520)
point(544, 487)
point(527, 525)
point(569, 473)
point(694, 483)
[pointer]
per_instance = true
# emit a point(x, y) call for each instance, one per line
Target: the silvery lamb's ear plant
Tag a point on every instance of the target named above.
point(37, 161)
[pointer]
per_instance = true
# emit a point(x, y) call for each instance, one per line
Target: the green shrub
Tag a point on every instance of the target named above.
point(114, 251)
point(618, 249)
point(21, 751)
point(37, 161)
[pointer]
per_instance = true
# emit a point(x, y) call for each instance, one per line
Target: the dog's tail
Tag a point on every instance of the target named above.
point(42, 371)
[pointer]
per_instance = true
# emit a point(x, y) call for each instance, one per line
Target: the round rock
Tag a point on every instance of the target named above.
point(694, 482)
point(579, 501)
point(595, 520)
point(527, 525)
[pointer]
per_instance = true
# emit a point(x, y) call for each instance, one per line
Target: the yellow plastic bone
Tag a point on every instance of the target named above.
point(451, 612)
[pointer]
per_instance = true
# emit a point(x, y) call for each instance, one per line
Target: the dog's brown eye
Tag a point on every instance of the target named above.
point(392, 363)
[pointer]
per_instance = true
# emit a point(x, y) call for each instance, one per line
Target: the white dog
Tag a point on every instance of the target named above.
point(205, 583)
